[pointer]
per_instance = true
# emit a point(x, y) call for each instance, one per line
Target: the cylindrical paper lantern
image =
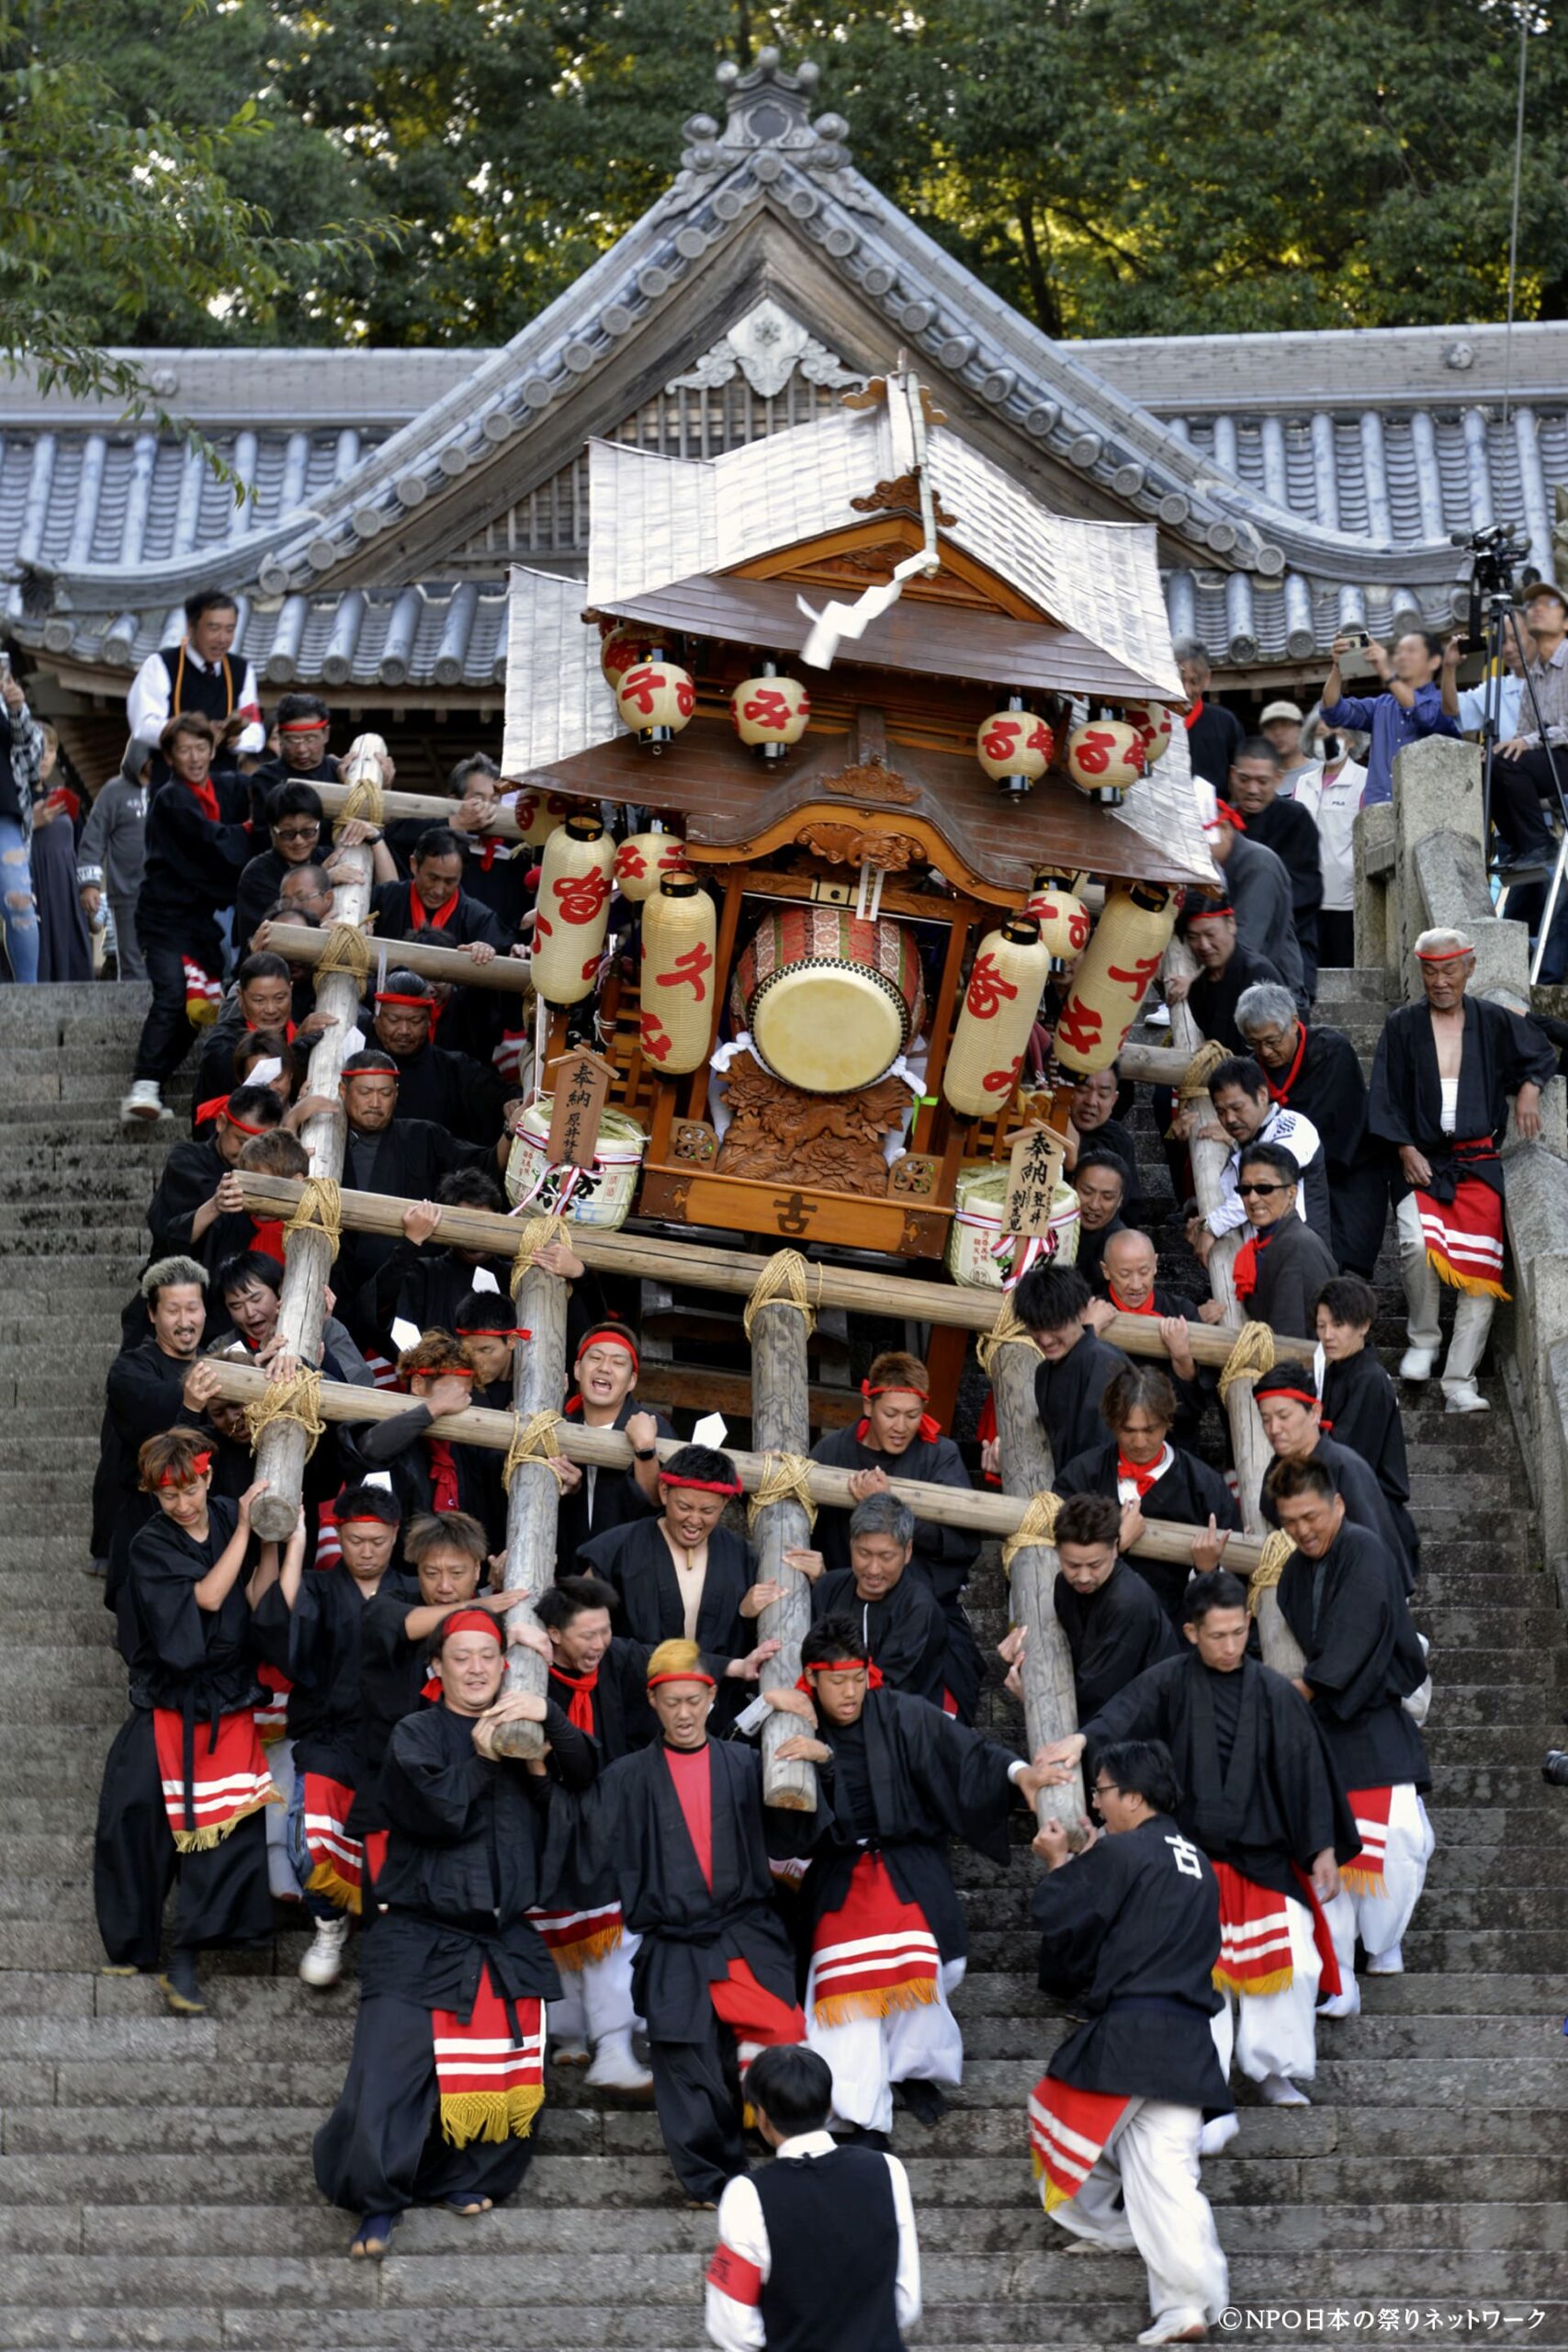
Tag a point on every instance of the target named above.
point(623, 647)
point(1114, 975)
point(1065, 921)
point(770, 713)
point(999, 1006)
point(1105, 757)
point(1013, 746)
point(574, 910)
point(679, 932)
point(642, 858)
point(656, 699)
point(1151, 720)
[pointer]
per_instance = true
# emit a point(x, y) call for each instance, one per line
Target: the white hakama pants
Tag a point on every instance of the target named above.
point(1276, 2033)
point(868, 2055)
point(1423, 1298)
point(1144, 2193)
point(1381, 1919)
point(597, 2000)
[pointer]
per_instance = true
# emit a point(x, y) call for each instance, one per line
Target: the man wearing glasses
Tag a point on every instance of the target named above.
point(1283, 1264)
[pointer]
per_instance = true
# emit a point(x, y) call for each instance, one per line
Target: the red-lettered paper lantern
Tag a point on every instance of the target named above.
point(1105, 757)
point(641, 858)
point(770, 713)
point(680, 930)
point(1064, 921)
point(572, 913)
point(1014, 747)
point(624, 645)
point(1000, 1003)
point(539, 813)
point(1151, 721)
point(1112, 977)
point(656, 699)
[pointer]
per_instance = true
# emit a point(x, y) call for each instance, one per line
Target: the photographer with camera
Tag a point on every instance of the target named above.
point(1410, 707)
point(1522, 770)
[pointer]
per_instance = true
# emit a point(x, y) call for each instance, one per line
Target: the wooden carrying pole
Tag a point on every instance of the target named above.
point(663, 1258)
point(297, 944)
point(992, 1515)
point(307, 1252)
point(1050, 1699)
point(1249, 1447)
point(778, 1324)
point(532, 1495)
point(400, 808)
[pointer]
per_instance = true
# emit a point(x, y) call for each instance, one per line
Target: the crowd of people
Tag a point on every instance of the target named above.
point(319, 1728)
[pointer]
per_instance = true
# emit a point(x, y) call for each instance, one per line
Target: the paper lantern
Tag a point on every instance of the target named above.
point(1013, 746)
point(1105, 757)
point(656, 698)
point(1064, 921)
point(999, 1007)
point(624, 645)
point(574, 910)
point(1151, 723)
point(1112, 977)
point(679, 932)
point(538, 814)
point(770, 713)
point(642, 858)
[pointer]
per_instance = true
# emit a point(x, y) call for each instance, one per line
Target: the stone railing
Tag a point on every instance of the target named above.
point(1420, 865)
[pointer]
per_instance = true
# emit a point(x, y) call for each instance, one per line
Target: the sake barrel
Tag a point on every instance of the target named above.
point(979, 1199)
point(573, 910)
point(831, 1000)
point(680, 930)
point(641, 858)
point(1114, 975)
point(618, 1158)
point(1006, 983)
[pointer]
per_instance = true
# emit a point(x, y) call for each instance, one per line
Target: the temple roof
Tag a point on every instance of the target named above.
point(1294, 481)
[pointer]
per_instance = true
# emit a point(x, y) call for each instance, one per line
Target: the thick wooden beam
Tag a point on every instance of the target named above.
point(538, 1383)
point(664, 1258)
point(511, 975)
point(405, 807)
point(1050, 1699)
point(781, 1424)
point(1152, 1066)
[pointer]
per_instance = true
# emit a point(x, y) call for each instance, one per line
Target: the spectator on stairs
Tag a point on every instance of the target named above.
point(1329, 787)
point(64, 942)
point(1409, 707)
point(112, 853)
point(1280, 724)
point(1442, 1077)
point(21, 762)
point(1215, 734)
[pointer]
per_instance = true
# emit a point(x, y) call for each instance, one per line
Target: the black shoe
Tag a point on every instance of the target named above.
point(1529, 865)
point(858, 2136)
point(924, 2101)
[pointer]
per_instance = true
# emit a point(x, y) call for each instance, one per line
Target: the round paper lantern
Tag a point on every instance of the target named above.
point(539, 813)
point(1014, 747)
point(999, 1007)
point(1114, 975)
point(656, 699)
point(1064, 921)
point(574, 910)
point(642, 858)
point(1151, 721)
point(1105, 757)
point(679, 932)
point(770, 713)
point(624, 645)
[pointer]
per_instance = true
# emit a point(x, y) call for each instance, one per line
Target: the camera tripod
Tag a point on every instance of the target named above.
point(1493, 619)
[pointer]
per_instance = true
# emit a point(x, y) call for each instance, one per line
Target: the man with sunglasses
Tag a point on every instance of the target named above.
point(1283, 1264)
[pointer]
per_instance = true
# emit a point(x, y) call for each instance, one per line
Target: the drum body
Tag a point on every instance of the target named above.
point(830, 1000)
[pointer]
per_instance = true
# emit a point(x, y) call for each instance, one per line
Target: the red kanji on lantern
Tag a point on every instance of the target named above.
point(689, 967)
point(1000, 735)
point(1078, 929)
point(524, 808)
point(1042, 740)
point(654, 1041)
point(1078, 1027)
point(987, 989)
point(630, 863)
point(769, 707)
point(1094, 749)
point(640, 686)
point(581, 894)
point(1001, 1081)
point(1137, 979)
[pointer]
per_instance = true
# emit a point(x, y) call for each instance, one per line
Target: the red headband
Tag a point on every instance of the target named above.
point(607, 1336)
point(470, 1621)
point(200, 1463)
point(302, 726)
point(474, 1332)
point(390, 996)
point(1302, 1396)
point(1207, 913)
point(894, 1388)
point(868, 1667)
point(1441, 954)
point(366, 1519)
point(447, 1371)
point(703, 1485)
point(241, 1126)
point(681, 1674)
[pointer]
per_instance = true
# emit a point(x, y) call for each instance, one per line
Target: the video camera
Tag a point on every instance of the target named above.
point(1493, 555)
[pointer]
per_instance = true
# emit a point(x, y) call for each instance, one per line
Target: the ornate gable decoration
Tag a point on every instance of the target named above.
point(767, 346)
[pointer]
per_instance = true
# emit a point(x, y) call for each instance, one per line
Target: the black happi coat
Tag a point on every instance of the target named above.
point(904, 1779)
point(320, 1645)
point(1214, 1000)
point(451, 1090)
point(192, 866)
point(465, 1865)
point(392, 1674)
point(1091, 1248)
point(408, 1159)
point(198, 1661)
point(1365, 1505)
point(1329, 1090)
point(1275, 1800)
point(622, 1713)
point(1286, 828)
point(905, 1630)
point(635, 1559)
point(944, 1555)
point(1501, 1052)
point(1362, 1658)
point(1292, 1266)
point(606, 1499)
point(192, 1173)
point(398, 1447)
point(632, 1833)
point(1068, 1395)
point(144, 1392)
point(1191, 1395)
point(1114, 1635)
point(1129, 1931)
point(468, 921)
point(1189, 1492)
point(1361, 1409)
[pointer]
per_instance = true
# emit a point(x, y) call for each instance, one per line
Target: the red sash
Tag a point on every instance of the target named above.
point(421, 917)
point(228, 1776)
point(271, 1719)
point(490, 2072)
point(375, 1851)
point(337, 1862)
point(1068, 2133)
point(874, 1955)
point(1363, 1874)
point(755, 2016)
point(1281, 1093)
point(443, 1474)
point(575, 1940)
point(1244, 1271)
point(580, 1708)
point(1255, 1935)
point(1464, 1238)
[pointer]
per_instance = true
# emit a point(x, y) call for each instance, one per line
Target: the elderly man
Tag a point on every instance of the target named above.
point(1317, 1072)
point(898, 1617)
point(1442, 1079)
point(1215, 734)
point(1280, 724)
point(1128, 1269)
point(1275, 822)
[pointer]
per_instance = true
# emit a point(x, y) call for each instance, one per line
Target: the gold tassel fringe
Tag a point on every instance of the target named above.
point(1472, 1284)
point(572, 1957)
point(489, 2115)
point(1359, 1880)
point(202, 1841)
point(325, 1880)
point(1279, 1980)
point(842, 2009)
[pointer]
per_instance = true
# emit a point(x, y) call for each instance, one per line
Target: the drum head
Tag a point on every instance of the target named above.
point(831, 1028)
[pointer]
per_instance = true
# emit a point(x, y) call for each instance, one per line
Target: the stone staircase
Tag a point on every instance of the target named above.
point(155, 2174)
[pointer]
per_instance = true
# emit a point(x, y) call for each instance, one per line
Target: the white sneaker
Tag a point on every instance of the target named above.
point(1158, 1018)
point(1386, 1963)
point(1463, 1397)
point(616, 2068)
point(1278, 2090)
point(1342, 2005)
point(1416, 1364)
point(1188, 2326)
point(1217, 2134)
point(145, 1101)
point(323, 1963)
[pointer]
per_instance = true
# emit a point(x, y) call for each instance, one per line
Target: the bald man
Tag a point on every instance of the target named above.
point(1127, 1270)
